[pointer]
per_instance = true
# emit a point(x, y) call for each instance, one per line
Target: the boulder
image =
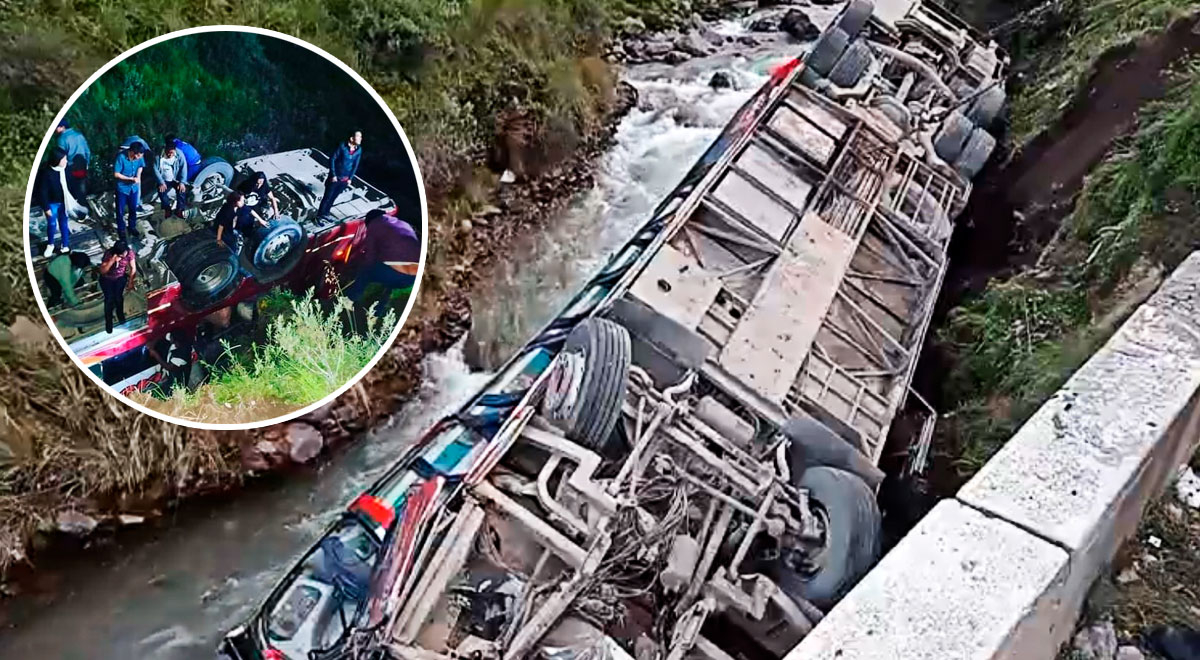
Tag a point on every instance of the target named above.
point(797, 24)
point(304, 442)
point(1096, 642)
point(74, 522)
point(721, 80)
point(676, 57)
point(693, 44)
point(1130, 653)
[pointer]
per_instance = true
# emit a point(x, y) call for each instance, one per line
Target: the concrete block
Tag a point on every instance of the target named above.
point(961, 585)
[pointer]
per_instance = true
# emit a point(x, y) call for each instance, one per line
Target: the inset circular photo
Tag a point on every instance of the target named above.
point(225, 227)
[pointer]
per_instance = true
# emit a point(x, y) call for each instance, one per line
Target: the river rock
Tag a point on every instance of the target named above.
point(747, 40)
point(1130, 653)
point(304, 442)
point(74, 522)
point(693, 44)
point(799, 26)
point(676, 57)
point(1096, 642)
point(721, 80)
point(768, 23)
point(652, 48)
point(1187, 488)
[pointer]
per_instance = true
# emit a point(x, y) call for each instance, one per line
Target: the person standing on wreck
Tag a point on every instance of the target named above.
point(117, 270)
point(392, 257)
point(79, 156)
point(342, 168)
point(128, 172)
point(54, 202)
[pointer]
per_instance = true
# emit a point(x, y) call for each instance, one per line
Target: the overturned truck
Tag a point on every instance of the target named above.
point(684, 462)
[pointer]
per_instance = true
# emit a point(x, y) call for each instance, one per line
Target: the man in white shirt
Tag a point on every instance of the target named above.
point(171, 172)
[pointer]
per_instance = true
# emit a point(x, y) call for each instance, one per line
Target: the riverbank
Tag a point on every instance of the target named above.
point(100, 465)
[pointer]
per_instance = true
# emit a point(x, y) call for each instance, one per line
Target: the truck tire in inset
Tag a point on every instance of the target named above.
point(207, 271)
point(851, 65)
point(855, 16)
point(986, 107)
point(277, 248)
point(975, 153)
point(586, 389)
point(827, 50)
point(949, 141)
point(212, 179)
point(851, 540)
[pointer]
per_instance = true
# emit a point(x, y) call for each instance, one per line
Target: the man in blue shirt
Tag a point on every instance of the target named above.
point(128, 172)
point(78, 157)
point(342, 168)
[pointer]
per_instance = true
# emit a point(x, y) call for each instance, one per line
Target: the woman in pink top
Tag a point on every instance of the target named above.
point(117, 270)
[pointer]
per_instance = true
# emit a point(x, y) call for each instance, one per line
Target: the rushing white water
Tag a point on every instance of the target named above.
point(172, 591)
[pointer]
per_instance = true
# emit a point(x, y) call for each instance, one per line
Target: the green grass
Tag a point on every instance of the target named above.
point(310, 352)
point(1127, 206)
point(1057, 65)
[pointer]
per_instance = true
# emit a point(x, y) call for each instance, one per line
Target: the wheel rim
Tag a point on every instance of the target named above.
point(277, 248)
point(209, 188)
point(815, 559)
point(562, 388)
point(213, 277)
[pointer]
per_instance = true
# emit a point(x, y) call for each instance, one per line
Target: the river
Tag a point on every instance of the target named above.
point(170, 591)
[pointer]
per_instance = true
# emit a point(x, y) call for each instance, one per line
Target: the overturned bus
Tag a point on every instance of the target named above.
point(684, 462)
point(188, 277)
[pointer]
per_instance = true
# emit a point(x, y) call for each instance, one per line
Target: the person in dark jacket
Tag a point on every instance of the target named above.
point(342, 168)
point(117, 271)
point(259, 196)
point(391, 258)
point(127, 170)
point(170, 171)
point(79, 156)
point(234, 218)
point(54, 195)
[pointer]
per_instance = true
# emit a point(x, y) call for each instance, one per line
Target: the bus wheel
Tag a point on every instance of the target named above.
point(207, 271)
point(587, 387)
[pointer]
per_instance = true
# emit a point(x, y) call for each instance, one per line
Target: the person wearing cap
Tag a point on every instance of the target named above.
point(79, 156)
point(170, 170)
point(54, 200)
point(391, 257)
point(342, 168)
point(259, 196)
point(128, 172)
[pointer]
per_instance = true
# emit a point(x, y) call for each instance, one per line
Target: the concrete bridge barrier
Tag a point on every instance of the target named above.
point(1002, 570)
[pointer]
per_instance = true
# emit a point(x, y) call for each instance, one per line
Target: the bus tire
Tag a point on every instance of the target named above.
point(851, 539)
point(212, 179)
point(851, 65)
point(855, 16)
point(275, 250)
point(975, 153)
point(587, 388)
point(955, 130)
point(207, 271)
point(825, 53)
point(986, 107)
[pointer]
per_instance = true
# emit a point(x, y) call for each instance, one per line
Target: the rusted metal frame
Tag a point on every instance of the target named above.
point(921, 457)
point(870, 295)
point(823, 195)
point(693, 200)
point(712, 544)
point(894, 254)
point(556, 605)
point(766, 244)
point(766, 190)
point(736, 478)
point(774, 140)
point(880, 358)
point(547, 535)
point(737, 270)
point(447, 562)
point(790, 105)
point(826, 390)
point(556, 510)
point(756, 524)
point(862, 275)
point(873, 323)
point(691, 241)
point(890, 224)
point(866, 333)
point(711, 434)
